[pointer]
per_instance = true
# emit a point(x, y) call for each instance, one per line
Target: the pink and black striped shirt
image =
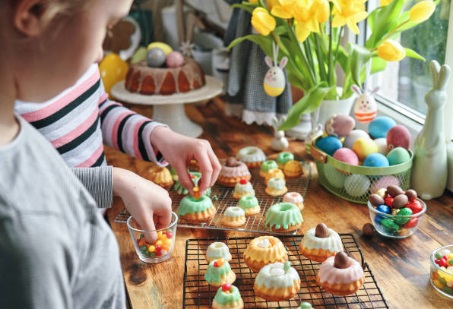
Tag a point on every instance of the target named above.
point(81, 119)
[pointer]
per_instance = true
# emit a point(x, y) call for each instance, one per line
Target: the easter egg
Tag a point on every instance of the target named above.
point(384, 182)
point(164, 46)
point(381, 143)
point(363, 147)
point(155, 57)
point(334, 177)
point(376, 160)
point(328, 144)
point(339, 125)
point(346, 155)
point(353, 136)
point(139, 55)
point(365, 108)
point(380, 126)
point(398, 155)
point(113, 69)
point(174, 59)
point(356, 185)
point(398, 136)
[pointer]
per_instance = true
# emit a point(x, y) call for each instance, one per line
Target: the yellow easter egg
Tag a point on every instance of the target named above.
point(164, 46)
point(113, 69)
point(363, 147)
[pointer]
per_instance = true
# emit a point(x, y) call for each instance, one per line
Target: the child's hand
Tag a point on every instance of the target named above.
point(148, 203)
point(179, 150)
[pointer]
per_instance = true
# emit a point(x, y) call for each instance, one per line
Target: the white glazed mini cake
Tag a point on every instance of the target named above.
point(276, 187)
point(218, 250)
point(252, 156)
point(320, 243)
point(242, 188)
point(277, 282)
point(233, 216)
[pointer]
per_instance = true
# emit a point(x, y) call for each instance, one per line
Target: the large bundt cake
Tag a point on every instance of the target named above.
point(283, 217)
point(277, 282)
point(264, 250)
point(196, 210)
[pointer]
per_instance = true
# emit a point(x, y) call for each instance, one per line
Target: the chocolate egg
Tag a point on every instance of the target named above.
point(384, 182)
point(356, 185)
point(339, 125)
point(380, 126)
point(398, 136)
point(376, 160)
point(411, 195)
point(398, 155)
point(328, 144)
point(394, 190)
point(346, 155)
point(321, 231)
point(375, 199)
point(353, 136)
point(400, 201)
point(363, 147)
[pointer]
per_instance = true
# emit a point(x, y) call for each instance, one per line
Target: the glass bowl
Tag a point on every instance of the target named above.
point(396, 226)
point(441, 273)
point(161, 249)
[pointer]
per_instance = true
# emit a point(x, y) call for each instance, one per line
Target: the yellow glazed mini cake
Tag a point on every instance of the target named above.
point(242, 188)
point(283, 217)
point(219, 272)
point(232, 172)
point(250, 205)
point(277, 282)
point(320, 243)
point(264, 250)
point(252, 156)
point(277, 173)
point(196, 210)
point(233, 216)
point(340, 275)
point(293, 169)
point(294, 197)
point(227, 297)
point(160, 175)
point(218, 250)
point(276, 187)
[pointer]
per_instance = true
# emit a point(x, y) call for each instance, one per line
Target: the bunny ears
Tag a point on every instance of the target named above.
point(440, 74)
point(275, 63)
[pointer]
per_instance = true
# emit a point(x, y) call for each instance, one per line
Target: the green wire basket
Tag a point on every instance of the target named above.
point(355, 183)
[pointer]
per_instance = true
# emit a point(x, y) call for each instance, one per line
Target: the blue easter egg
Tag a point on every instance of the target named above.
point(376, 160)
point(380, 126)
point(398, 155)
point(155, 57)
point(329, 144)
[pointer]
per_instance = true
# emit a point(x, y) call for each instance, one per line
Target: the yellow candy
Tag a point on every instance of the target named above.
point(438, 284)
point(151, 248)
point(447, 277)
point(165, 47)
point(159, 235)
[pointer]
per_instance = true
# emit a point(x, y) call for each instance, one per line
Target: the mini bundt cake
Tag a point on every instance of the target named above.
point(275, 173)
point(293, 169)
point(276, 186)
point(233, 216)
point(294, 197)
point(227, 297)
point(320, 243)
point(218, 250)
point(160, 176)
point(232, 172)
point(284, 157)
point(264, 250)
point(242, 188)
point(250, 205)
point(277, 282)
point(252, 156)
point(196, 210)
point(340, 275)
point(267, 166)
point(219, 272)
point(283, 217)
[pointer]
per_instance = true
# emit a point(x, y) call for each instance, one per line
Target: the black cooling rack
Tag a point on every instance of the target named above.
point(199, 294)
point(222, 198)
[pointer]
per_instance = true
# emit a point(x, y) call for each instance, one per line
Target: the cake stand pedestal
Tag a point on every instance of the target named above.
point(169, 109)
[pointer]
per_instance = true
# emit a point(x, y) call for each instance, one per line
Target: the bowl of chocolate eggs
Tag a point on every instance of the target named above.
point(396, 213)
point(441, 270)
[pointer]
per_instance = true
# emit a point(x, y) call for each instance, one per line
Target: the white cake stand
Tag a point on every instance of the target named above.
point(169, 109)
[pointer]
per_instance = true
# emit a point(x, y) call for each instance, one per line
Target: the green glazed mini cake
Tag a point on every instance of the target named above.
point(196, 210)
point(267, 166)
point(250, 205)
point(219, 272)
point(284, 157)
point(283, 217)
point(228, 297)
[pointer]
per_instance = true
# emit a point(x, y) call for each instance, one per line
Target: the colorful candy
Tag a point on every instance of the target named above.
point(161, 247)
point(442, 271)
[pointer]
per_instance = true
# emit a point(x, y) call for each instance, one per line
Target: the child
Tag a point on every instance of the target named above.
point(56, 251)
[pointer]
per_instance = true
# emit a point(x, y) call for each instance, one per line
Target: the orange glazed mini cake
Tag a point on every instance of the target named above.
point(227, 297)
point(233, 216)
point(196, 210)
point(218, 250)
point(283, 217)
point(264, 250)
point(219, 272)
point(232, 172)
point(340, 275)
point(295, 198)
point(242, 188)
point(250, 205)
point(320, 243)
point(277, 282)
point(293, 169)
point(252, 156)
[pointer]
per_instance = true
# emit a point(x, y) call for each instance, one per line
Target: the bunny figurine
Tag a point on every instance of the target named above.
point(429, 169)
point(274, 80)
point(279, 143)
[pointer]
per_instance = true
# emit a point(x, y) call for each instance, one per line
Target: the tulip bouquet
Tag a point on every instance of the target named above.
point(310, 33)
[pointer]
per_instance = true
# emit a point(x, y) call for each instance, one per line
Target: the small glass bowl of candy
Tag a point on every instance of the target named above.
point(397, 222)
point(441, 270)
point(158, 250)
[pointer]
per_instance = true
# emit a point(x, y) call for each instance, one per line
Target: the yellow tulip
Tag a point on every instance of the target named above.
point(262, 21)
point(421, 11)
point(348, 12)
point(284, 9)
point(391, 50)
point(384, 2)
point(271, 3)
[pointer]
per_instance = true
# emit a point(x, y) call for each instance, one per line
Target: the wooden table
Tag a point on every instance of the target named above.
point(400, 267)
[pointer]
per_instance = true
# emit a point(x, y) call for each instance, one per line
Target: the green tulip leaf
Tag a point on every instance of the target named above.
point(413, 54)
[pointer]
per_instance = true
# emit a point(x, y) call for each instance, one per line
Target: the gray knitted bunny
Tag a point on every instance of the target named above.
point(429, 170)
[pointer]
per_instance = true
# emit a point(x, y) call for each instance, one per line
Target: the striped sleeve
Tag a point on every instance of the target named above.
point(99, 182)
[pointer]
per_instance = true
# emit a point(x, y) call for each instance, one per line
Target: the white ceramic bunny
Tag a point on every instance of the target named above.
point(429, 170)
point(279, 142)
point(274, 80)
point(365, 107)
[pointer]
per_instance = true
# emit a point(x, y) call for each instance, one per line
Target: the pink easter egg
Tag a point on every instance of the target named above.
point(339, 125)
point(384, 182)
point(346, 155)
point(398, 136)
point(174, 59)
